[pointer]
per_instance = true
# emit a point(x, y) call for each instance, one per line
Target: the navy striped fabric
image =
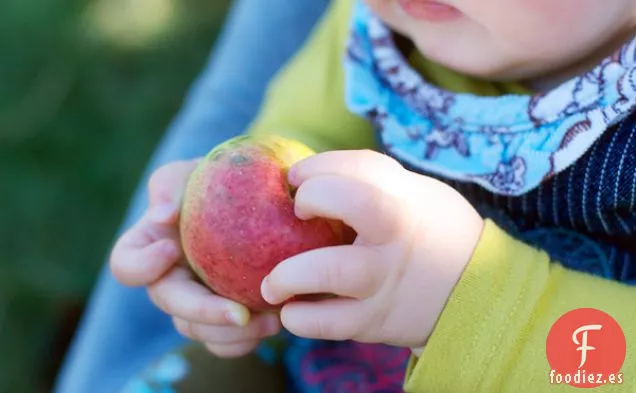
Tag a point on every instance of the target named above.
point(585, 216)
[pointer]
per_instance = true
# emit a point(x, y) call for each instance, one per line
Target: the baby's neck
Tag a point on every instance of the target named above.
point(553, 79)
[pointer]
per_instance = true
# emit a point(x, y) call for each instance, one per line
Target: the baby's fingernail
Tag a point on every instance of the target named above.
point(265, 291)
point(161, 213)
point(291, 176)
point(239, 316)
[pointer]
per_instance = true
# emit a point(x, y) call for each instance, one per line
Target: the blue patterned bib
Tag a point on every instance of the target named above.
point(507, 144)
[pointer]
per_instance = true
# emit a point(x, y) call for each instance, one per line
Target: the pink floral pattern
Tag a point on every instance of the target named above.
point(353, 367)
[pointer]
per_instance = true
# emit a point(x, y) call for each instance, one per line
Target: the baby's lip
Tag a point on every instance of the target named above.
point(429, 10)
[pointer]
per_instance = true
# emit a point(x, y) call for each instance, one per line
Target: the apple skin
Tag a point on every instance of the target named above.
point(238, 222)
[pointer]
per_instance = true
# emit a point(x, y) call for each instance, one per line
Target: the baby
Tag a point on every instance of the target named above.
point(505, 197)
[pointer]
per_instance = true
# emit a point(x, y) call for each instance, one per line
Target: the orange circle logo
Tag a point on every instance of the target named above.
point(586, 348)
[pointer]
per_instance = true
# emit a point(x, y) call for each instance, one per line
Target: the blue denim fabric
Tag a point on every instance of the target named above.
point(121, 331)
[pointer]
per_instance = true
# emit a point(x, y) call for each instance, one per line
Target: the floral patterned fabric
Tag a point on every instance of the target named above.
point(344, 367)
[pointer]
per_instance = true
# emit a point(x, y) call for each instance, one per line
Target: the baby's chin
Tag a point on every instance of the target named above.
point(536, 76)
point(499, 72)
point(491, 66)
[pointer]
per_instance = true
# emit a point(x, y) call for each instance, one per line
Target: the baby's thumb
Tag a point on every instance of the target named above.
point(167, 184)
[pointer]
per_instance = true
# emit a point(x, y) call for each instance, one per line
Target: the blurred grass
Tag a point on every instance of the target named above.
point(85, 94)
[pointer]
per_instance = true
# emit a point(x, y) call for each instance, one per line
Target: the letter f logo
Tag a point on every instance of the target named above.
point(583, 343)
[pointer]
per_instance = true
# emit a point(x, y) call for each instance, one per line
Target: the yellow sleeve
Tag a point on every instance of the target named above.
point(305, 101)
point(492, 334)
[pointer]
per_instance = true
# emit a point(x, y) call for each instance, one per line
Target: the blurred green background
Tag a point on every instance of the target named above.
point(87, 88)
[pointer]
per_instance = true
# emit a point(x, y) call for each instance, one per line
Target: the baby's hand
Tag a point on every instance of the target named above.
point(415, 238)
point(150, 254)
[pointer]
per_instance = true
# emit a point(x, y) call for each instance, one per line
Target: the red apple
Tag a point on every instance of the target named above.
point(238, 218)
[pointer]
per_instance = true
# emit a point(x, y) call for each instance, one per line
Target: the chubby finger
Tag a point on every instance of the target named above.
point(167, 184)
point(365, 165)
point(229, 351)
point(349, 271)
point(371, 212)
point(332, 319)
point(260, 327)
point(179, 295)
point(135, 266)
